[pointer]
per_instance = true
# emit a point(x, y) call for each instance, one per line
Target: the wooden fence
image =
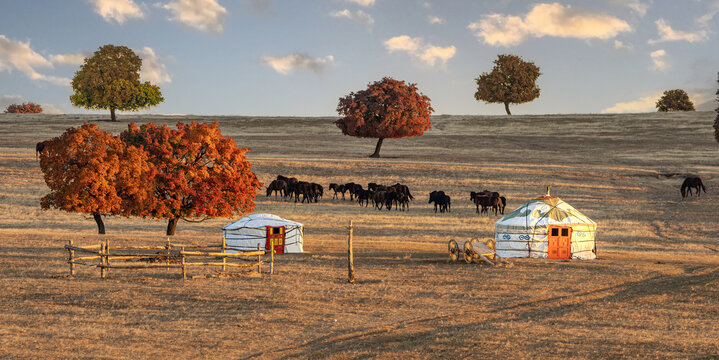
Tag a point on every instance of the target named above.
point(170, 256)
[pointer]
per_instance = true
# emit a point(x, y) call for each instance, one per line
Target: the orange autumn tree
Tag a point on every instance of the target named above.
point(199, 173)
point(92, 172)
point(386, 109)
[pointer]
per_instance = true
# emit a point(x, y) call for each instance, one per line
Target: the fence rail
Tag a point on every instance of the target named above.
point(173, 256)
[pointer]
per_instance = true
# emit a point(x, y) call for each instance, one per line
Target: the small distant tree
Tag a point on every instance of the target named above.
point(386, 109)
point(24, 108)
point(675, 100)
point(110, 79)
point(716, 121)
point(512, 81)
point(199, 173)
point(90, 171)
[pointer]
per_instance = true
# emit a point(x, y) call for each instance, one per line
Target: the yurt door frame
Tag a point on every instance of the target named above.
point(276, 238)
point(559, 240)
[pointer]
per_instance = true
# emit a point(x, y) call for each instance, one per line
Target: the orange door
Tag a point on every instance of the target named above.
point(276, 238)
point(560, 242)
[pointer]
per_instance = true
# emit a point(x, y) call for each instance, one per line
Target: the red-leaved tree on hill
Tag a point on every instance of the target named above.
point(24, 108)
point(199, 173)
point(386, 109)
point(92, 172)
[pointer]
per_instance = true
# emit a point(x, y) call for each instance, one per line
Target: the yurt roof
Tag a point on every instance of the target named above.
point(260, 220)
point(543, 211)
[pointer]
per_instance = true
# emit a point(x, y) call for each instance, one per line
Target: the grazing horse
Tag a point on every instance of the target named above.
point(338, 188)
point(488, 199)
point(364, 196)
point(277, 186)
point(440, 200)
point(690, 182)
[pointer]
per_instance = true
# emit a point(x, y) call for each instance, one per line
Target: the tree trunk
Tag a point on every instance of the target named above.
point(376, 149)
point(112, 114)
point(100, 224)
point(506, 108)
point(171, 226)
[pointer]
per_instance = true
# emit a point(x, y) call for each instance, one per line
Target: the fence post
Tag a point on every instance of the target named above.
point(103, 269)
point(350, 260)
point(72, 254)
point(224, 258)
point(272, 259)
point(259, 261)
point(184, 271)
point(107, 257)
point(167, 258)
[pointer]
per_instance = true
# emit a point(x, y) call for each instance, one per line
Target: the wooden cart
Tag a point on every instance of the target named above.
point(474, 251)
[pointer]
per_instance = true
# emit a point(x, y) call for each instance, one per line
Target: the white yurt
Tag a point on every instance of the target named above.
point(264, 230)
point(546, 227)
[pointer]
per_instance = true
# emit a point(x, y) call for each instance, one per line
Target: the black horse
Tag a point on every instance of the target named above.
point(440, 200)
point(694, 182)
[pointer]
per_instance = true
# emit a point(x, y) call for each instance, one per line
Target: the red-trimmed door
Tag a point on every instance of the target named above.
point(276, 238)
point(559, 242)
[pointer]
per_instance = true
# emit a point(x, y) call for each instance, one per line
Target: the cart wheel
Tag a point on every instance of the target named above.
point(453, 250)
point(468, 252)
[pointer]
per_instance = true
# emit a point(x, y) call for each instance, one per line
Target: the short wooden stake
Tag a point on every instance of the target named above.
point(184, 271)
point(103, 269)
point(259, 260)
point(224, 258)
point(350, 260)
point(107, 251)
point(72, 255)
point(168, 247)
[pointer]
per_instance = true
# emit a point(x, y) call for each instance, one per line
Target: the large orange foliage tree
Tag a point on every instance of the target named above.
point(199, 173)
point(92, 172)
point(386, 109)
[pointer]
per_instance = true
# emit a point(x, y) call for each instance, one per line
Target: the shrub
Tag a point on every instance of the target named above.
point(25, 108)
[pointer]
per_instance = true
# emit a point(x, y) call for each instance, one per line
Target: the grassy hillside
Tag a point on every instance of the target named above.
point(653, 292)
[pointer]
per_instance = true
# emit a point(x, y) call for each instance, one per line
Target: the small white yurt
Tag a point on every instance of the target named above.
point(546, 227)
point(265, 230)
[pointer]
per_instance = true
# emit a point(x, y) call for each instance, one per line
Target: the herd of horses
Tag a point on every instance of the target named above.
point(397, 196)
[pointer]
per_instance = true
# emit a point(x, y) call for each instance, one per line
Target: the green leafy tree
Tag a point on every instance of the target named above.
point(675, 100)
point(110, 79)
point(512, 81)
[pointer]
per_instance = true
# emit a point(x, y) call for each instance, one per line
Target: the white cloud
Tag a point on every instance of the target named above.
point(659, 61)
point(51, 109)
point(547, 20)
point(620, 45)
point(643, 104)
point(68, 59)
point(365, 3)
point(118, 10)
point(639, 7)
point(415, 47)
point(358, 16)
point(153, 70)
point(649, 103)
point(435, 20)
point(297, 61)
point(666, 33)
point(205, 15)
point(17, 55)
point(7, 100)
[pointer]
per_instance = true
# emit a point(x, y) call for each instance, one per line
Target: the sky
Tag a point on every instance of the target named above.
point(298, 57)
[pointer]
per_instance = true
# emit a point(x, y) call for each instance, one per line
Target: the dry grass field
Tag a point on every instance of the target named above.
point(653, 292)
